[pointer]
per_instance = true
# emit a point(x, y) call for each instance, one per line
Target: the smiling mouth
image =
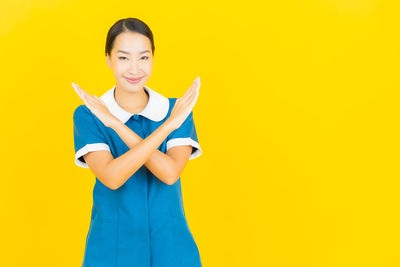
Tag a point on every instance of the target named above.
point(133, 80)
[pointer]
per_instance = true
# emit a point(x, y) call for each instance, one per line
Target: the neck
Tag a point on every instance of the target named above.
point(133, 102)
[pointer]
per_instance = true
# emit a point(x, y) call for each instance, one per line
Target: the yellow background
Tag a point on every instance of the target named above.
point(297, 117)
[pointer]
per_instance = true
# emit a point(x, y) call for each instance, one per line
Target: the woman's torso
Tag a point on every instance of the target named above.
point(142, 223)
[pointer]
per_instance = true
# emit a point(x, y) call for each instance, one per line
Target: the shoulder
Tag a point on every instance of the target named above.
point(82, 113)
point(80, 110)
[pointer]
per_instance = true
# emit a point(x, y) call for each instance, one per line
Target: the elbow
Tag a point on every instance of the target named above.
point(115, 180)
point(113, 187)
point(110, 182)
point(171, 180)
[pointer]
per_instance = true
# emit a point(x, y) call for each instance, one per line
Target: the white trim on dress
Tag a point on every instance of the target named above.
point(89, 148)
point(185, 141)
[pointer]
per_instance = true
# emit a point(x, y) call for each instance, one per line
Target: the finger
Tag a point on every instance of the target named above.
point(186, 100)
point(102, 101)
point(187, 92)
point(91, 100)
point(198, 84)
point(190, 92)
point(97, 100)
point(90, 106)
point(194, 101)
point(81, 92)
point(195, 96)
point(195, 90)
point(86, 97)
point(94, 103)
point(76, 90)
point(85, 100)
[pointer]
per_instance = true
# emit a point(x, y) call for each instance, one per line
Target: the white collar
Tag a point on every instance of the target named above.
point(156, 109)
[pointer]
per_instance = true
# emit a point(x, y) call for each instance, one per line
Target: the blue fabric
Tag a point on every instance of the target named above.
point(142, 223)
point(88, 133)
point(185, 131)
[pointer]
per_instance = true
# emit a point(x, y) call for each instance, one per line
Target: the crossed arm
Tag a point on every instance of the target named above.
point(114, 172)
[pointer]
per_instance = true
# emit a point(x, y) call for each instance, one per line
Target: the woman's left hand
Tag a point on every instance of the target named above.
point(96, 106)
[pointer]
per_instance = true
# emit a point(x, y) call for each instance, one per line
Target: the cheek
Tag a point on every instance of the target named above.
point(120, 68)
point(148, 67)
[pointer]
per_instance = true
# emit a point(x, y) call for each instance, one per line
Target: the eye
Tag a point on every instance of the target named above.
point(122, 57)
point(145, 57)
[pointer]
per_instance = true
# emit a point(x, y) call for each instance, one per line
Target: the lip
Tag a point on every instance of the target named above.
point(133, 81)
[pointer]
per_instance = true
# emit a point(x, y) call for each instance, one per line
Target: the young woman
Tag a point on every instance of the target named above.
point(137, 143)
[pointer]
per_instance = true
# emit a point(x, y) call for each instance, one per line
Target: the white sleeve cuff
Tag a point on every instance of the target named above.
point(183, 142)
point(89, 148)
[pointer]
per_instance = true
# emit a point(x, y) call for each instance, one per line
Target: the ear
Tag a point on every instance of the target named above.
point(108, 61)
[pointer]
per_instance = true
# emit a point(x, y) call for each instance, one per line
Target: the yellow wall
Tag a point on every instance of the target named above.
point(297, 118)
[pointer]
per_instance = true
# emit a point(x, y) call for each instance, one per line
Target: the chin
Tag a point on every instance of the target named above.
point(134, 87)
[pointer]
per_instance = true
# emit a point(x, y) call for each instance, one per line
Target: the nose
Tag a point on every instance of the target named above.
point(134, 67)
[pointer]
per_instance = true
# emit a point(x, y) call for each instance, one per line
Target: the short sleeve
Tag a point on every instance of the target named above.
point(87, 135)
point(185, 135)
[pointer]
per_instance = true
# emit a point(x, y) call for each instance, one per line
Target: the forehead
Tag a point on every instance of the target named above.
point(131, 42)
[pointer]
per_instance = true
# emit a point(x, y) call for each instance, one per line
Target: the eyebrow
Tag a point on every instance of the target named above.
point(125, 52)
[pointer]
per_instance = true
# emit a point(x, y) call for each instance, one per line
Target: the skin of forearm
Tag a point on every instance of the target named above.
point(159, 163)
point(127, 164)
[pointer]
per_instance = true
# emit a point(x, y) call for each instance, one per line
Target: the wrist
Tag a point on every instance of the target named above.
point(168, 124)
point(116, 124)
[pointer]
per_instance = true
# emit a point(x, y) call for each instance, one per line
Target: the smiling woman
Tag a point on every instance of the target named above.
point(137, 143)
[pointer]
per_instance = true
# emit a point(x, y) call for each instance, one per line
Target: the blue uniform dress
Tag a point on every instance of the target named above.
point(142, 223)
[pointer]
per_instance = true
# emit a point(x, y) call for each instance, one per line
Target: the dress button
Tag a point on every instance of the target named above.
point(136, 117)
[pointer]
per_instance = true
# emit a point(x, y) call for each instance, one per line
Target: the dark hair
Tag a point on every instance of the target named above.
point(125, 25)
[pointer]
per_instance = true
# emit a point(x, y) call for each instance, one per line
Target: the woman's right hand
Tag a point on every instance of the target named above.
point(96, 106)
point(184, 105)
